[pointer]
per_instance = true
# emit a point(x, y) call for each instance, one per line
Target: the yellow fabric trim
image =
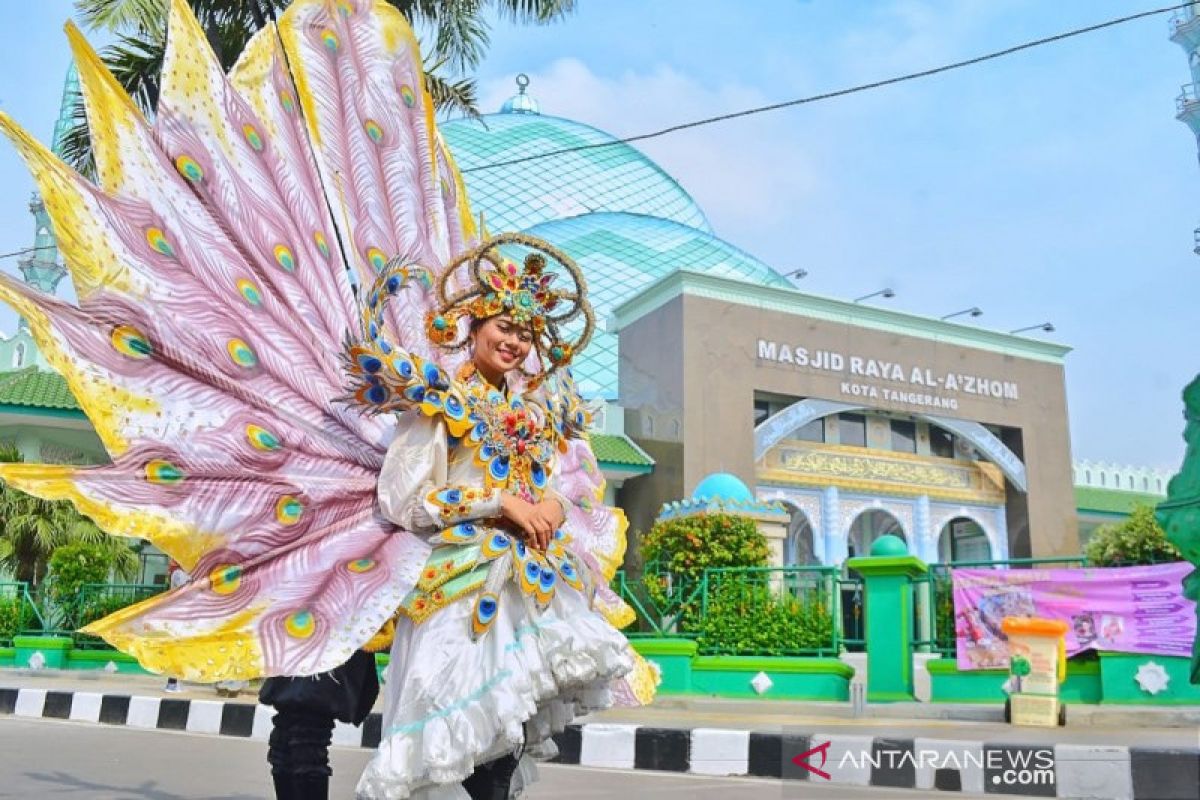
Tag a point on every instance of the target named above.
point(57, 482)
point(104, 402)
point(229, 651)
point(112, 115)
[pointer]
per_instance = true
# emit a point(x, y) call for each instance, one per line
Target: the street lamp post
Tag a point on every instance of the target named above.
point(1045, 326)
point(974, 311)
point(885, 293)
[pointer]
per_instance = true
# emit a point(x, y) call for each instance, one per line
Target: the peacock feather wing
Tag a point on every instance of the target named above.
point(205, 346)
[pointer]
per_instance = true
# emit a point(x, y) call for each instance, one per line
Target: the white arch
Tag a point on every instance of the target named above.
point(775, 428)
point(941, 529)
point(941, 515)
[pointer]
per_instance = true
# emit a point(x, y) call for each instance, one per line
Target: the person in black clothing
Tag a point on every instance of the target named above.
point(307, 709)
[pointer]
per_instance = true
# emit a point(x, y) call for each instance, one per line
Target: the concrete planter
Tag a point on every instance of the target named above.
point(673, 657)
point(790, 678)
point(100, 659)
point(950, 685)
point(1118, 675)
point(54, 650)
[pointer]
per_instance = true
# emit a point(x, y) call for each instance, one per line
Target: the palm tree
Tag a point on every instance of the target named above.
point(32, 528)
point(459, 27)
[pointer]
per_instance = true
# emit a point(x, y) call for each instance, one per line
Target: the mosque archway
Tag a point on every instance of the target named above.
point(799, 548)
point(869, 526)
point(963, 539)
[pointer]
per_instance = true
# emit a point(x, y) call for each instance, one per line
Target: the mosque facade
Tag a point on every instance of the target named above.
point(859, 421)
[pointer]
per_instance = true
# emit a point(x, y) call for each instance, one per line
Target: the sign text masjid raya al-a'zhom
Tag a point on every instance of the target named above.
point(937, 388)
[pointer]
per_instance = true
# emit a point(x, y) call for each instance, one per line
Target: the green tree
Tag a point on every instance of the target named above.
point(31, 529)
point(1136, 540)
point(459, 27)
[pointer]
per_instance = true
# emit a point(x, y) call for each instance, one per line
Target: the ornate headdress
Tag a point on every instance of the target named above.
point(497, 285)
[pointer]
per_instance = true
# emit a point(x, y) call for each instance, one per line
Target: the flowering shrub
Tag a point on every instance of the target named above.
point(750, 619)
point(1137, 540)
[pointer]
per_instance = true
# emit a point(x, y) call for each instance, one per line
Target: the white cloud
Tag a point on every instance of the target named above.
point(744, 174)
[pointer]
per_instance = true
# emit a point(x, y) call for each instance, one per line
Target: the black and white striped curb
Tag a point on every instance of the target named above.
point(1075, 771)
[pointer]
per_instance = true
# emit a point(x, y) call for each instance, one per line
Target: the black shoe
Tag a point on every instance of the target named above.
point(283, 787)
point(493, 780)
point(502, 775)
point(310, 787)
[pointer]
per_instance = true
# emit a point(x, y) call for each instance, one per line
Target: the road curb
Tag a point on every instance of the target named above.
point(1077, 771)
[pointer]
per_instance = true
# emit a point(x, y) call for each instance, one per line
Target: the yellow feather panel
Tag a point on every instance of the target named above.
point(89, 256)
point(228, 651)
point(58, 482)
point(105, 403)
point(112, 115)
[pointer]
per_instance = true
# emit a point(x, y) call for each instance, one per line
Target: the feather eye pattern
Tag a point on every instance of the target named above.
point(361, 91)
point(213, 295)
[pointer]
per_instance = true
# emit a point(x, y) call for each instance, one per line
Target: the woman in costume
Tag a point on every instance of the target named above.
point(215, 260)
point(498, 645)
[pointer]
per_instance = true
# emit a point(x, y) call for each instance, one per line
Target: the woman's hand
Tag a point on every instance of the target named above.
point(549, 512)
point(537, 525)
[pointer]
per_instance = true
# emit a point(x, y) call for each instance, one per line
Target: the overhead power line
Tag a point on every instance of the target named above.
point(830, 95)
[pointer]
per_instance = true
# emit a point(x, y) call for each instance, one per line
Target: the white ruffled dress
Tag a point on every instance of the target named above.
point(452, 703)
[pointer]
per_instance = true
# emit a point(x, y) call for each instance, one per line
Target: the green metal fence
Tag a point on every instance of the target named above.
point(18, 613)
point(93, 601)
point(740, 611)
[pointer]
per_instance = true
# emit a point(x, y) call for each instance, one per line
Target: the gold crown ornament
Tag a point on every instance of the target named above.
point(497, 285)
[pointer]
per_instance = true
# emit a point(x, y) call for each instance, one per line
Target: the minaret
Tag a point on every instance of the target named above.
point(1185, 32)
point(41, 268)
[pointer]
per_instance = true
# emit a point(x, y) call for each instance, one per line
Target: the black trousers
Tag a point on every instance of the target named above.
point(307, 708)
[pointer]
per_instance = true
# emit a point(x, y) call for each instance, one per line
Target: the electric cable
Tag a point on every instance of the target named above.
point(830, 95)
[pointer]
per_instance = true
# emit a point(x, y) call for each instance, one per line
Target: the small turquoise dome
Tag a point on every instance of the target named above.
point(722, 486)
point(520, 103)
point(888, 545)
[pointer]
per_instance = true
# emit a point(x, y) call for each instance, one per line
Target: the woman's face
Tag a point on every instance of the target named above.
point(500, 345)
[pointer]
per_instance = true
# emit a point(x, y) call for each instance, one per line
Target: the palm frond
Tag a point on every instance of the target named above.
point(136, 63)
point(453, 97)
point(534, 11)
point(75, 148)
point(121, 16)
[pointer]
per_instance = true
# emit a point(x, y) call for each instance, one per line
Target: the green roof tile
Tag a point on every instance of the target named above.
point(33, 387)
point(619, 450)
point(1112, 501)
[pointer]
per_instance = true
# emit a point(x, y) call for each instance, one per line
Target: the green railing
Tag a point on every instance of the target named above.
point(660, 601)
point(18, 613)
point(97, 600)
point(740, 611)
point(933, 598)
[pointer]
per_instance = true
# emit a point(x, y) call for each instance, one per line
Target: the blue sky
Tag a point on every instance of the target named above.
point(1051, 185)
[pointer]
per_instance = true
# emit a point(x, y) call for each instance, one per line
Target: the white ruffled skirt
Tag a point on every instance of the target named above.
point(451, 704)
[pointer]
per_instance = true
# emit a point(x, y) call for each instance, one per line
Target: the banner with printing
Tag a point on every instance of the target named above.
point(1126, 609)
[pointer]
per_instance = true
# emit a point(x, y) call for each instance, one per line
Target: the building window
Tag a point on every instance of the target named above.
point(941, 442)
point(762, 410)
point(19, 355)
point(1145, 484)
point(1131, 483)
point(904, 436)
point(1103, 482)
point(814, 431)
point(852, 429)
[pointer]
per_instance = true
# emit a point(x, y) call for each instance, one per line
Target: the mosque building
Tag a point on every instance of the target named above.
point(859, 421)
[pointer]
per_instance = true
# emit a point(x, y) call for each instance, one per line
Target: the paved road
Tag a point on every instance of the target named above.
point(76, 761)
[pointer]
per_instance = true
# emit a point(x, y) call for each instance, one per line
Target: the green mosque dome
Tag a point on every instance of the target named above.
point(617, 213)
